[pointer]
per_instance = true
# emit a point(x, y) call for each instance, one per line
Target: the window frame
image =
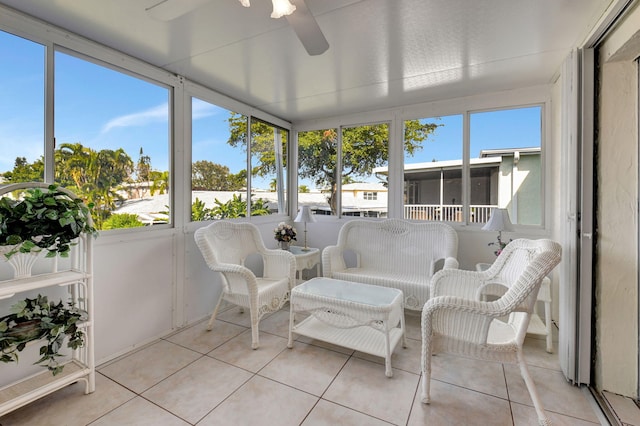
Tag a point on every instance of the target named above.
point(520, 98)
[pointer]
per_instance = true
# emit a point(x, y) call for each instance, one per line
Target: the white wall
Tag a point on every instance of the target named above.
point(617, 163)
point(134, 289)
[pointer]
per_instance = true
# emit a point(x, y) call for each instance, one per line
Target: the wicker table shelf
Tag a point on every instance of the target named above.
point(362, 317)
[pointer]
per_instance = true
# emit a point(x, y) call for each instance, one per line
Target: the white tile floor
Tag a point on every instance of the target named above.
point(195, 377)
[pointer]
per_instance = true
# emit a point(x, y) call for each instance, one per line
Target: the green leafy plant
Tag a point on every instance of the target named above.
point(36, 319)
point(48, 219)
point(122, 220)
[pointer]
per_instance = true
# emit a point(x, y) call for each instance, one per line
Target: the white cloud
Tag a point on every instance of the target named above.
point(156, 114)
point(202, 109)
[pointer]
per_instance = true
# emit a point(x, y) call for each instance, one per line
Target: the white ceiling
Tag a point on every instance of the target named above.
point(383, 53)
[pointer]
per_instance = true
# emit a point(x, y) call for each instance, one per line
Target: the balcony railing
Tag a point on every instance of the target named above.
point(447, 212)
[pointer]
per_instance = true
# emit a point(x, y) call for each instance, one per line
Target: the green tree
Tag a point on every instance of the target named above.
point(364, 147)
point(236, 207)
point(263, 151)
point(200, 212)
point(93, 175)
point(122, 220)
point(23, 171)
point(159, 182)
point(143, 167)
point(209, 176)
point(303, 189)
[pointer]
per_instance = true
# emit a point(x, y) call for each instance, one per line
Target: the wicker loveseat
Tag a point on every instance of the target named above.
point(392, 253)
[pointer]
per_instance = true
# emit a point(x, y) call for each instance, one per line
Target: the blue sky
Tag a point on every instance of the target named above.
point(105, 109)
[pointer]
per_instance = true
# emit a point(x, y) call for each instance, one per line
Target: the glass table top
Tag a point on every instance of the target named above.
point(372, 295)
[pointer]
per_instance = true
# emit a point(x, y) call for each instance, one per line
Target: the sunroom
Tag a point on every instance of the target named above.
point(201, 110)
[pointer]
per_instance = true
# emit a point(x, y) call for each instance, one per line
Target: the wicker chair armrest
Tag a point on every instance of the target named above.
point(242, 271)
point(493, 309)
point(332, 260)
point(457, 282)
point(462, 320)
point(279, 263)
point(451, 263)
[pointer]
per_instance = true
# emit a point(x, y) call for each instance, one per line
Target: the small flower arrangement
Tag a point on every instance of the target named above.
point(284, 232)
point(500, 244)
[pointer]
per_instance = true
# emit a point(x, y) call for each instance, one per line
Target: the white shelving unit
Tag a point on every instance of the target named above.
point(76, 277)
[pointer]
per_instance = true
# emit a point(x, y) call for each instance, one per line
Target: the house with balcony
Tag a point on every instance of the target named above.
point(502, 178)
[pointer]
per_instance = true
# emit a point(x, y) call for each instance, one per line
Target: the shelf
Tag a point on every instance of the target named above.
point(363, 339)
point(536, 326)
point(9, 288)
point(21, 393)
point(76, 276)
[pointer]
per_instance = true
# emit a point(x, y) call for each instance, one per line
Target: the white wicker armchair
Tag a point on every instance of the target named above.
point(393, 253)
point(456, 320)
point(225, 246)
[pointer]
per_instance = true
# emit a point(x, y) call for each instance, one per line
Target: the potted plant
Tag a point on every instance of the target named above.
point(36, 319)
point(47, 219)
point(284, 234)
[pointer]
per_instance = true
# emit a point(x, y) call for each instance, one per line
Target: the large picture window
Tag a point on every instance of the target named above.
point(506, 164)
point(221, 186)
point(218, 170)
point(433, 170)
point(21, 110)
point(112, 142)
point(503, 169)
point(364, 148)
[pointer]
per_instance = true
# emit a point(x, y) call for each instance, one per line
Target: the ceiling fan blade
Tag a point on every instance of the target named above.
point(307, 29)
point(168, 10)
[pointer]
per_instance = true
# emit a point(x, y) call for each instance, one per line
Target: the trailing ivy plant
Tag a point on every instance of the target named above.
point(43, 219)
point(36, 319)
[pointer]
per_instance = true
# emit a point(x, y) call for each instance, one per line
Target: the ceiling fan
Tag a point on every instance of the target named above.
point(296, 12)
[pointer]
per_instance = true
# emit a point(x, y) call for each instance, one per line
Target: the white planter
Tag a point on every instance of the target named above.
point(20, 262)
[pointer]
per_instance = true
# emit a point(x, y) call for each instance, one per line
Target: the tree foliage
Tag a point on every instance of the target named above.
point(122, 220)
point(23, 171)
point(236, 208)
point(93, 175)
point(263, 152)
point(209, 176)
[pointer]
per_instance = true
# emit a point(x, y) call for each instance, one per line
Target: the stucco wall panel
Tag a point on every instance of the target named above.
point(616, 268)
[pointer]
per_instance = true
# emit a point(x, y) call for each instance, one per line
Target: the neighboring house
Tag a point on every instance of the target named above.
point(505, 178)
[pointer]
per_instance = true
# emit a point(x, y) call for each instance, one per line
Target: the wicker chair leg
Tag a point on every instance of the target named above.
point(426, 374)
point(426, 387)
point(212, 320)
point(255, 320)
point(533, 392)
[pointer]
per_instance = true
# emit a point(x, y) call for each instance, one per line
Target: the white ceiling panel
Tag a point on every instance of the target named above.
point(383, 53)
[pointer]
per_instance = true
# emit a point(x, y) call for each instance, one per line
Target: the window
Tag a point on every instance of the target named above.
point(364, 148)
point(504, 167)
point(433, 168)
point(268, 168)
point(219, 180)
point(21, 110)
point(218, 162)
point(317, 173)
point(370, 195)
point(112, 142)
point(339, 184)
point(506, 164)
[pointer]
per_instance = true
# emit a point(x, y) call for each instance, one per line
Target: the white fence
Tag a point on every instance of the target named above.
point(447, 212)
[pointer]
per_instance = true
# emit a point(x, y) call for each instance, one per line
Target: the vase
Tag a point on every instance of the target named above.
point(284, 245)
point(20, 262)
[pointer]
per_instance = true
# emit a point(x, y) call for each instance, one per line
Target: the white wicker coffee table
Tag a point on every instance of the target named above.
point(363, 317)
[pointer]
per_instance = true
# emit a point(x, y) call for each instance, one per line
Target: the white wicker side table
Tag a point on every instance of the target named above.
point(363, 317)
